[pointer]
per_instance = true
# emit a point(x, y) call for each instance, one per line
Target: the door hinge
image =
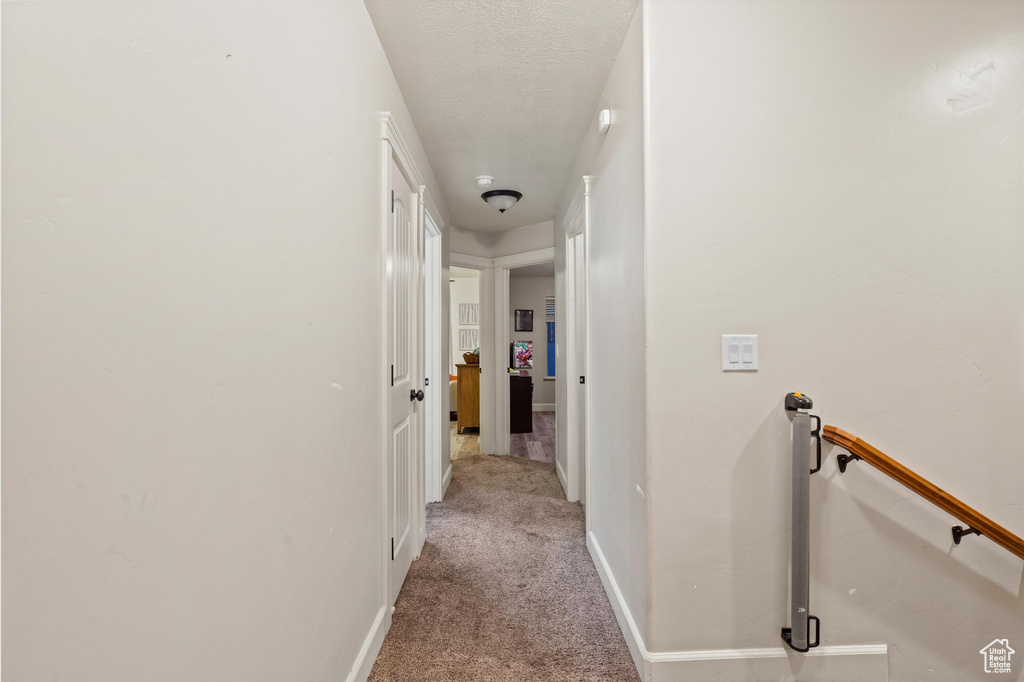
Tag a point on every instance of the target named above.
point(392, 549)
point(392, 201)
point(392, 375)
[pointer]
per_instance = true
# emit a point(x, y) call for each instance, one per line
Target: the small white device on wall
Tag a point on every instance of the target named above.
point(469, 313)
point(739, 352)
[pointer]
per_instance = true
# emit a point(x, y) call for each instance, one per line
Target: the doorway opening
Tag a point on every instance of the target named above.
point(464, 362)
point(531, 366)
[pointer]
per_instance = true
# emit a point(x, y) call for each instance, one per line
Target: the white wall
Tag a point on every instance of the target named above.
point(845, 180)
point(462, 290)
point(616, 378)
point(193, 376)
point(497, 244)
point(471, 243)
point(530, 293)
point(493, 363)
point(523, 239)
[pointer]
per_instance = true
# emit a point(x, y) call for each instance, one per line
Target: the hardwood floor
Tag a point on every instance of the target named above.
point(464, 444)
point(539, 445)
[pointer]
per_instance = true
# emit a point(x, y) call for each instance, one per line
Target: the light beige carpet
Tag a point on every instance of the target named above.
point(505, 589)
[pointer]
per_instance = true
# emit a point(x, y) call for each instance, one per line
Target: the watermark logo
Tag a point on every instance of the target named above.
point(997, 656)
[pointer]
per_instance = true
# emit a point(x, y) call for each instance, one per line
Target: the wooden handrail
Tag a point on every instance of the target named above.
point(926, 489)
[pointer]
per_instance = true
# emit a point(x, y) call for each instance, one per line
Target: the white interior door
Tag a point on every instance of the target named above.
point(580, 342)
point(405, 310)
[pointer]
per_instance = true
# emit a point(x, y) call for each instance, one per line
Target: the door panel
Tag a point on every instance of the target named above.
point(403, 304)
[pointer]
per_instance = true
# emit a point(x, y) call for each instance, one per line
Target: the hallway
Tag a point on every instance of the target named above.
point(236, 239)
point(505, 588)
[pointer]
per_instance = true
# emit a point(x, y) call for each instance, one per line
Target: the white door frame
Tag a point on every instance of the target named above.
point(576, 222)
point(435, 363)
point(502, 333)
point(393, 146)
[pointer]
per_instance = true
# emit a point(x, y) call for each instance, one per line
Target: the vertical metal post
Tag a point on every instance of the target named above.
point(801, 550)
point(797, 635)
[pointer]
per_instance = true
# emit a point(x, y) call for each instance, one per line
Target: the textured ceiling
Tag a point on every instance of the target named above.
point(504, 88)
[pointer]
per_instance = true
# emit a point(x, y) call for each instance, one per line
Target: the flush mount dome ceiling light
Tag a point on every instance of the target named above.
point(502, 199)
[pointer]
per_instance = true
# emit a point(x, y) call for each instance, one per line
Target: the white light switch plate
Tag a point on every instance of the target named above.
point(739, 352)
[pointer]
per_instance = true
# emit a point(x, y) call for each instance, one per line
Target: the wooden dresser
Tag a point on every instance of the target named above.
point(469, 397)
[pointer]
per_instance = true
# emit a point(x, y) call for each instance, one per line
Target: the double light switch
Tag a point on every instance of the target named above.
point(739, 352)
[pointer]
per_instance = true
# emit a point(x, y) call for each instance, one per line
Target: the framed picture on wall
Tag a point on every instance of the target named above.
point(524, 320)
point(522, 354)
point(469, 339)
point(469, 313)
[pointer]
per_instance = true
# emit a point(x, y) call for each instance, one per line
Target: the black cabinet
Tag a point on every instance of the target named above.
point(520, 404)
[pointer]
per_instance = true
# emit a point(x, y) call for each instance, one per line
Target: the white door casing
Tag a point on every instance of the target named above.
point(581, 385)
point(435, 417)
point(576, 222)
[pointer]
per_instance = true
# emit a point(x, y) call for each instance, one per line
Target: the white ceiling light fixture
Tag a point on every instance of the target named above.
point(502, 199)
point(484, 181)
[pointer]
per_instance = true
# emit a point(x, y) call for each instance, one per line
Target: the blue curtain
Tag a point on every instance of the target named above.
point(551, 349)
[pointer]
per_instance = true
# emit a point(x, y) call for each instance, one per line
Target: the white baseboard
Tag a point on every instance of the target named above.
point(371, 647)
point(858, 663)
point(867, 663)
point(446, 480)
point(543, 407)
point(634, 640)
point(562, 478)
